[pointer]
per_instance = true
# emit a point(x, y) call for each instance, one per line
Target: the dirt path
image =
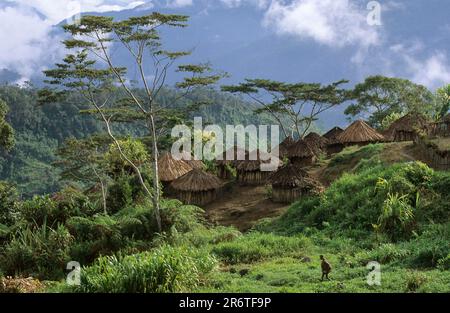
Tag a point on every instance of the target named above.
point(242, 207)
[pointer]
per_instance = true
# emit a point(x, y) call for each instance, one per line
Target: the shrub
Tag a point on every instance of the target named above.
point(430, 247)
point(414, 280)
point(397, 217)
point(41, 252)
point(166, 269)
point(8, 204)
point(257, 246)
point(120, 194)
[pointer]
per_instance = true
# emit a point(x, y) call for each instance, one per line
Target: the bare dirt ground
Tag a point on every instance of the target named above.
point(243, 206)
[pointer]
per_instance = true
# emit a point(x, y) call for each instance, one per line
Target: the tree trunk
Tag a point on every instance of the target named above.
point(157, 190)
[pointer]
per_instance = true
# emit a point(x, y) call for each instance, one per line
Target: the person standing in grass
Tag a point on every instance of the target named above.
point(326, 267)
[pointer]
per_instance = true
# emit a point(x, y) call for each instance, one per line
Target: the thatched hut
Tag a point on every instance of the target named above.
point(442, 127)
point(334, 145)
point(301, 154)
point(291, 182)
point(196, 187)
point(249, 171)
point(189, 159)
point(316, 142)
point(359, 133)
point(407, 128)
point(332, 134)
point(285, 145)
point(224, 165)
point(171, 169)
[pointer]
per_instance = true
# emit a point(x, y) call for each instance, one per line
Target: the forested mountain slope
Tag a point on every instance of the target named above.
point(39, 130)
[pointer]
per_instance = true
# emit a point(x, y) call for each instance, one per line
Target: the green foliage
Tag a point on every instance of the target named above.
point(6, 131)
point(120, 194)
point(380, 97)
point(398, 198)
point(285, 98)
point(257, 246)
point(165, 269)
point(8, 204)
point(134, 150)
point(396, 218)
point(41, 252)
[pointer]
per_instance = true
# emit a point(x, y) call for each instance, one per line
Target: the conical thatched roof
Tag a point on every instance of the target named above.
point(289, 175)
point(411, 122)
point(333, 133)
point(170, 169)
point(316, 141)
point(360, 132)
point(196, 180)
point(189, 159)
point(249, 165)
point(235, 151)
point(300, 149)
point(292, 176)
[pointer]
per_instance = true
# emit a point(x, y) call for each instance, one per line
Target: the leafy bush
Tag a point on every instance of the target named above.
point(8, 204)
point(257, 246)
point(166, 269)
point(414, 280)
point(396, 219)
point(398, 198)
point(430, 247)
point(41, 252)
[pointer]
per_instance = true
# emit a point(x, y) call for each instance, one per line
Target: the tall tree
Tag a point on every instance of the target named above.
point(378, 97)
point(442, 101)
point(94, 39)
point(298, 104)
point(83, 161)
point(6, 131)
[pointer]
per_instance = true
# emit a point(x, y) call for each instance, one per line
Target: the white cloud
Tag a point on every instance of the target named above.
point(180, 3)
point(237, 3)
point(432, 72)
point(26, 30)
point(335, 23)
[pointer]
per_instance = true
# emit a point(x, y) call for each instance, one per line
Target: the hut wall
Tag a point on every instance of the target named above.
point(197, 198)
point(334, 148)
point(224, 173)
point(404, 136)
point(253, 178)
point(302, 162)
point(285, 195)
point(442, 129)
point(439, 160)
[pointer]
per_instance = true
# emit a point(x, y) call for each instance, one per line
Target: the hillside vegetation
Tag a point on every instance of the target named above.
point(397, 216)
point(40, 130)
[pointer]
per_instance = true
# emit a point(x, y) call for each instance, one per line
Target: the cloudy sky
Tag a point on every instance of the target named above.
point(27, 35)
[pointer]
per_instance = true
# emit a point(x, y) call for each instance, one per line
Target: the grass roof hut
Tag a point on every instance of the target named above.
point(407, 127)
point(249, 171)
point(196, 187)
point(302, 154)
point(285, 145)
point(334, 145)
point(317, 142)
point(171, 169)
point(189, 159)
point(225, 165)
point(291, 182)
point(359, 133)
point(442, 127)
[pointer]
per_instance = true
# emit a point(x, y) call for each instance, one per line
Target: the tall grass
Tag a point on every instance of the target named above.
point(166, 269)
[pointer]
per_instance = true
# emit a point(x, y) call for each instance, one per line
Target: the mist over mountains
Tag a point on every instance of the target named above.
point(298, 40)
